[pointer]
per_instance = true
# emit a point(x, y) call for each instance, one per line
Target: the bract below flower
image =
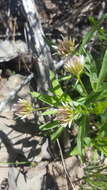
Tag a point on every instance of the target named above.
point(75, 65)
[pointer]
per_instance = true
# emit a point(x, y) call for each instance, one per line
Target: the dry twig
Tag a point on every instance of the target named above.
point(64, 166)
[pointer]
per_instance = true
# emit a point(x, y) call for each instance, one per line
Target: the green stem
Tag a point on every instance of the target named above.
point(83, 87)
point(39, 109)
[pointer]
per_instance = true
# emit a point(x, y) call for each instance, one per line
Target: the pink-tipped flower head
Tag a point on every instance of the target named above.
point(65, 115)
point(66, 47)
point(23, 109)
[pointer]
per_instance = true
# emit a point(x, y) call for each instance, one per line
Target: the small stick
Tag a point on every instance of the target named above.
point(64, 166)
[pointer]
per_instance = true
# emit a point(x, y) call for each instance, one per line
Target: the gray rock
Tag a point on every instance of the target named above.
point(18, 140)
point(7, 86)
point(32, 180)
point(11, 49)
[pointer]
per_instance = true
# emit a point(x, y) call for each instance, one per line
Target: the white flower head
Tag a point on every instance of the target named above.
point(75, 64)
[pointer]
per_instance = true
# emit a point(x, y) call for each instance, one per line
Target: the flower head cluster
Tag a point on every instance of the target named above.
point(65, 115)
point(23, 109)
point(66, 47)
point(75, 65)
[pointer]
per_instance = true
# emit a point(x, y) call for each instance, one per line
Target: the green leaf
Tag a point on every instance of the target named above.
point(104, 121)
point(56, 86)
point(57, 133)
point(74, 152)
point(45, 98)
point(49, 125)
point(87, 141)
point(81, 135)
point(98, 181)
point(92, 97)
point(79, 89)
point(57, 91)
point(99, 107)
point(93, 21)
point(50, 112)
point(101, 144)
point(91, 69)
point(88, 36)
point(103, 93)
point(65, 78)
point(103, 71)
point(86, 39)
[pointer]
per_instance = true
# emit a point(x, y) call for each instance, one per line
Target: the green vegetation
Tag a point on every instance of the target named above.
point(78, 101)
point(82, 102)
